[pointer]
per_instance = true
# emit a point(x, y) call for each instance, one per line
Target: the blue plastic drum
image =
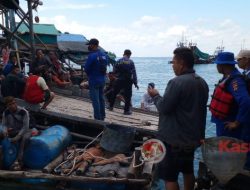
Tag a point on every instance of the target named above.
point(42, 149)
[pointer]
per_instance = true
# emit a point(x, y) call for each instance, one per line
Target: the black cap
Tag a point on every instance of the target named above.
point(127, 52)
point(151, 84)
point(93, 41)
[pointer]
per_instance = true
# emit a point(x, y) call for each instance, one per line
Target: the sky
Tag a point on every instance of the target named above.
point(152, 28)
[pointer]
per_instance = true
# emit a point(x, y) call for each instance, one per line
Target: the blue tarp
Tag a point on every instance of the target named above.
point(71, 38)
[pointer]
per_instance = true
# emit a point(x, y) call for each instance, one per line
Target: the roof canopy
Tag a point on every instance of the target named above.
point(47, 29)
point(72, 43)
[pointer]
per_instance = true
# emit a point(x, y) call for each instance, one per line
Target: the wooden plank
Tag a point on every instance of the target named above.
point(39, 175)
point(84, 109)
point(81, 112)
point(84, 95)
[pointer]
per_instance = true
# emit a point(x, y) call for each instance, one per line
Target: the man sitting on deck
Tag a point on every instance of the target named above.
point(15, 126)
point(36, 91)
point(42, 64)
point(147, 102)
point(13, 84)
point(59, 75)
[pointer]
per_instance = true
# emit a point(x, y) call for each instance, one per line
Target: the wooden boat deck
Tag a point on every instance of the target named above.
point(82, 108)
point(78, 112)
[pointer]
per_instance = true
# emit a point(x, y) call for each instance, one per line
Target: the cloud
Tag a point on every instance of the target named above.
point(146, 21)
point(154, 36)
point(72, 6)
point(176, 30)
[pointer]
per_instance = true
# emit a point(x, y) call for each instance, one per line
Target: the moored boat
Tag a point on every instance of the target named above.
point(81, 165)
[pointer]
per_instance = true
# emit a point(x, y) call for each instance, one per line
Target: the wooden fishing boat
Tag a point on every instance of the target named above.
point(49, 177)
point(77, 114)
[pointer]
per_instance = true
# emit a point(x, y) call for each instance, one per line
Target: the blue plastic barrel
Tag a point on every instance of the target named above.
point(42, 149)
point(9, 152)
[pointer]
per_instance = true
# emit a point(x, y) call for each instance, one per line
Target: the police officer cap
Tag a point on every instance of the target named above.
point(225, 58)
point(127, 52)
point(93, 41)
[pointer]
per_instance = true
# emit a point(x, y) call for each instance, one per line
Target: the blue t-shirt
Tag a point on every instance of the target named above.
point(92, 68)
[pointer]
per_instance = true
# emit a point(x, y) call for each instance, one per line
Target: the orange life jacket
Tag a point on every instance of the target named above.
point(32, 92)
point(222, 101)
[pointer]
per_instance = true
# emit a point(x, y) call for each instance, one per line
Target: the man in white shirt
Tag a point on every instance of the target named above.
point(147, 102)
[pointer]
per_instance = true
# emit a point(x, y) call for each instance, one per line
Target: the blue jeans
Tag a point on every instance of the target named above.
point(98, 102)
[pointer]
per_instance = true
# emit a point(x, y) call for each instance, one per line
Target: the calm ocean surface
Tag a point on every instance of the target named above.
point(158, 70)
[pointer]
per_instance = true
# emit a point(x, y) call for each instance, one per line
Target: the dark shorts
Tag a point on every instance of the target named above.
point(177, 159)
point(46, 96)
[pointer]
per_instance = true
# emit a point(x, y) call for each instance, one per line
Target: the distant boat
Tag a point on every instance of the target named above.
point(218, 50)
point(200, 57)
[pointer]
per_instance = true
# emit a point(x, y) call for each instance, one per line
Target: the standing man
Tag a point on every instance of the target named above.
point(126, 77)
point(243, 59)
point(230, 104)
point(95, 69)
point(182, 119)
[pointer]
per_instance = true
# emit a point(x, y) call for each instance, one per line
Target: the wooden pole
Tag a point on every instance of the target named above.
point(72, 133)
point(53, 164)
point(19, 24)
point(22, 14)
point(5, 174)
point(31, 28)
point(18, 38)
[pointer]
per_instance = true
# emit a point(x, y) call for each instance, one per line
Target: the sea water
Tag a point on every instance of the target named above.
point(159, 71)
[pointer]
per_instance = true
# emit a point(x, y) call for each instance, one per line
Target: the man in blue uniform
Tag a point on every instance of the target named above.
point(96, 76)
point(126, 77)
point(232, 114)
point(243, 59)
